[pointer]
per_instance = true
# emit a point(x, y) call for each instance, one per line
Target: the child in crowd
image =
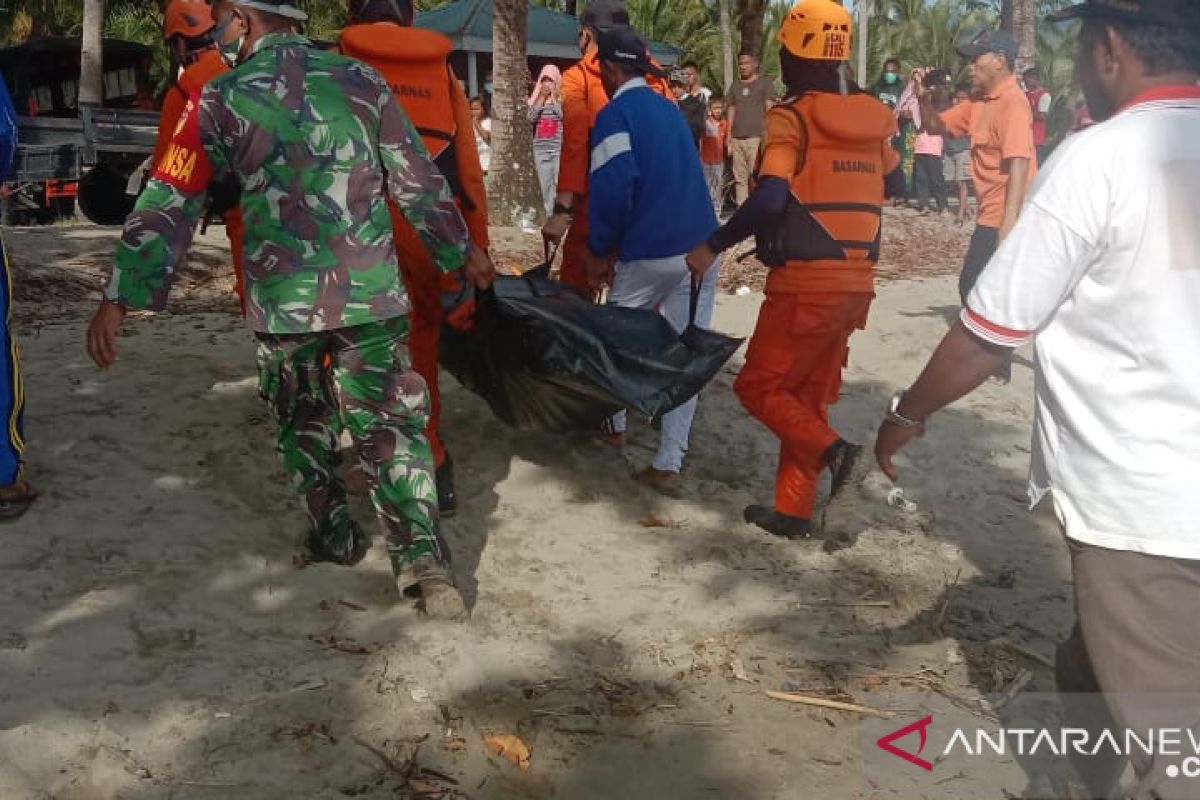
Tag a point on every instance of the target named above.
point(927, 167)
point(957, 170)
point(483, 132)
point(712, 152)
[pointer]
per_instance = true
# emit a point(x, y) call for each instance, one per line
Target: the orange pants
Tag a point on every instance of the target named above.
point(572, 272)
point(793, 373)
point(424, 284)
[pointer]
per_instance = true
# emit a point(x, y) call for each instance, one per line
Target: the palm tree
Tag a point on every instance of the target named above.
point(91, 55)
point(727, 73)
point(513, 190)
point(750, 24)
point(1020, 17)
point(921, 33)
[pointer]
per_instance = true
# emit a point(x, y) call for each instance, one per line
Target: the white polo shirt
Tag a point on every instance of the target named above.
point(1102, 270)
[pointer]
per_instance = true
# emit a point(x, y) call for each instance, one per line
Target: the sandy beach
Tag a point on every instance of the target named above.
point(158, 640)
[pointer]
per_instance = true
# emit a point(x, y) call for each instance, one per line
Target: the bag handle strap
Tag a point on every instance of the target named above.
point(694, 303)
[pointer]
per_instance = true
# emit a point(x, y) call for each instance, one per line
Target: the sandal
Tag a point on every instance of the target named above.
point(16, 503)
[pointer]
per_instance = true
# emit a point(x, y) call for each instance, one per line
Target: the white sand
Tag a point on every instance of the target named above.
point(157, 642)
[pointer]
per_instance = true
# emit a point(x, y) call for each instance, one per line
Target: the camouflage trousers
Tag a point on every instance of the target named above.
point(358, 379)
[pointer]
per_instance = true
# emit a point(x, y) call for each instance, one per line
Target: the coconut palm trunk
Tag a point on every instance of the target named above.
point(91, 55)
point(726, 43)
point(513, 190)
point(1020, 17)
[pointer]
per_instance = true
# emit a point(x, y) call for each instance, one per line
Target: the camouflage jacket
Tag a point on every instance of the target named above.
point(313, 140)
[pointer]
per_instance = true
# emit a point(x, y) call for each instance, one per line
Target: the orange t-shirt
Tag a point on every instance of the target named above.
point(1001, 127)
point(712, 148)
point(784, 150)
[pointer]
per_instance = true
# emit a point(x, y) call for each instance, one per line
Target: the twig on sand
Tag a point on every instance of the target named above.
point(855, 604)
point(403, 771)
point(1023, 679)
point(206, 784)
point(836, 705)
point(941, 617)
point(1032, 655)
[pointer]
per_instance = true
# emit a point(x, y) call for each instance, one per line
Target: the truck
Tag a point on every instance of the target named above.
point(71, 156)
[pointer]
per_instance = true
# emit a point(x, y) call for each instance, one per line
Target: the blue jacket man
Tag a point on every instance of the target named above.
point(15, 494)
point(648, 205)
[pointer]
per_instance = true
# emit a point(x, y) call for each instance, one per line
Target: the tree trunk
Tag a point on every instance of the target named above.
point(514, 195)
point(91, 55)
point(863, 34)
point(571, 7)
point(1020, 18)
point(750, 24)
point(727, 43)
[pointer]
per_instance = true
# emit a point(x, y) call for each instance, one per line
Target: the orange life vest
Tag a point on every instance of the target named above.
point(414, 63)
point(836, 204)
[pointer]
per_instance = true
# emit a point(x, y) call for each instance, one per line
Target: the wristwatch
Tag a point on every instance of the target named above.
point(896, 418)
point(559, 208)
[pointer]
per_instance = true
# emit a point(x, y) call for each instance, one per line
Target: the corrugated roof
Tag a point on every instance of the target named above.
point(550, 34)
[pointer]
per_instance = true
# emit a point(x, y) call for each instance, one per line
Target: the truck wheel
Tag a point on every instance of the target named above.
point(102, 197)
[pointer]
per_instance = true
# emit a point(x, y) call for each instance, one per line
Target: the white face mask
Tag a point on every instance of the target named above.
point(230, 51)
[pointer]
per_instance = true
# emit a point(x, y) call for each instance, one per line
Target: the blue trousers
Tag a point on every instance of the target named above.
point(12, 389)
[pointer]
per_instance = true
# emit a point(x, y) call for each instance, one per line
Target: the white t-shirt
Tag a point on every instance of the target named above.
point(485, 149)
point(1044, 103)
point(1102, 270)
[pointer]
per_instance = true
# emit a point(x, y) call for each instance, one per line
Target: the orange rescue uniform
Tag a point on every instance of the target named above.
point(206, 67)
point(834, 151)
point(414, 62)
point(583, 97)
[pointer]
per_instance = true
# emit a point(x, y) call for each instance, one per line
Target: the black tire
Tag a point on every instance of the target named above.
point(102, 197)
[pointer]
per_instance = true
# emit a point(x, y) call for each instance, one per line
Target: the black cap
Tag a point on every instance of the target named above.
point(1164, 13)
point(604, 14)
point(997, 41)
point(624, 46)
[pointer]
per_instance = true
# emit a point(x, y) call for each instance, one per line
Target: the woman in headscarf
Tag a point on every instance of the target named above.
point(546, 115)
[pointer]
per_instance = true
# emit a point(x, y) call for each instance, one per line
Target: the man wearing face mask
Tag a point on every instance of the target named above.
point(1102, 271)
point(888, 88)
point(317, 143)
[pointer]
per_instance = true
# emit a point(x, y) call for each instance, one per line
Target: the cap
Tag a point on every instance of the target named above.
point(604, 14)
point(817, 29)
point(281, 8)
point(1164, 13)
point(997, 41)
point(624, 46)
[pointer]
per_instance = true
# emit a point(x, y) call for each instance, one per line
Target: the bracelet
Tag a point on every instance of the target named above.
point(896, 418)
point(559, 208)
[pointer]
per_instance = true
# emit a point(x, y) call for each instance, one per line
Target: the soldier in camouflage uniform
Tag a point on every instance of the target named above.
point(314, 140)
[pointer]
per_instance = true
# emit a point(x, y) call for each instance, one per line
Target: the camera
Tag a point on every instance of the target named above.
point(935, 78)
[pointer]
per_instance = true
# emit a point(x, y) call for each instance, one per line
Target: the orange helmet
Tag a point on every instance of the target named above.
point(188, 18)
point(817, 29)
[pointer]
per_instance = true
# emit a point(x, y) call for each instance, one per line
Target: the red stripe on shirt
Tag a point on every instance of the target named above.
point(1182, 91)
point(991, 332)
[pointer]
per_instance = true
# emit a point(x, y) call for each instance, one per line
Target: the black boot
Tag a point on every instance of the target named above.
point(447, 498)
point(778, 523)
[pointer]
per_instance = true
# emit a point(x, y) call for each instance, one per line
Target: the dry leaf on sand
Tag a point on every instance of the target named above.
point(511, 747)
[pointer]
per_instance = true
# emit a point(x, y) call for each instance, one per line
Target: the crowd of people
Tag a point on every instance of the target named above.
point(353, 186)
